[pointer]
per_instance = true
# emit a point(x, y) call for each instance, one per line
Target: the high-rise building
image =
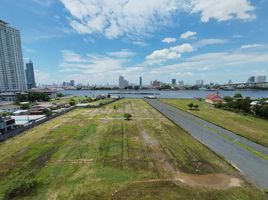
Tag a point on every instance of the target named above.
point(156, 83)
point(173, 81)
point(200, 82)
point(260, 79)
point(140, 82)
point(12, 75)
point(72, 83)
point(180, 83)
point(251, 79)
point(30, 75)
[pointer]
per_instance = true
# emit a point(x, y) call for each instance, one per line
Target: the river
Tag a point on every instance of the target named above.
point(254, 94)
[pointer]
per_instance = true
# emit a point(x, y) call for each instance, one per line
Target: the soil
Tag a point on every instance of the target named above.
point(171, 173)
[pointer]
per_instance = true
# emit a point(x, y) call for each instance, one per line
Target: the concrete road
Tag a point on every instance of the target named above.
point(237, 150)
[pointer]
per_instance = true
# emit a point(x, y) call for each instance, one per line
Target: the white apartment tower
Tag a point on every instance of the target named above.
point(12, 75)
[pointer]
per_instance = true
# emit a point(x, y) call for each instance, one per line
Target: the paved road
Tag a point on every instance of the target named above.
point(223, 142)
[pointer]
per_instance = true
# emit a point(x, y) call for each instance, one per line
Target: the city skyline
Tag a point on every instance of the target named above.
point(188, 45)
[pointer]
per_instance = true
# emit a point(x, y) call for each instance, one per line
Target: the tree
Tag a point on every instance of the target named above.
point(38, 96)
point(72, 102)
point(190, 105)
point(21, 98)
point(127, 116)
point(25, 106)
point(196, 107)
point(238, 95)
point(47, 112)
point(228, 99)
point(60, 95)
point(262, 111)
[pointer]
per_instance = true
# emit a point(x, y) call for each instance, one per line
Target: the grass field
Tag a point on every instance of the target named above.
point(78, 99)
point(248, 126)
point(96, 154)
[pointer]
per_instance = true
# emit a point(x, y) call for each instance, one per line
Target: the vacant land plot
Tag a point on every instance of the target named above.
point(96, 154)
point(253, 128)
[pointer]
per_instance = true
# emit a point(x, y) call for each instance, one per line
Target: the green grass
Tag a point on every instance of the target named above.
point(46, 162)
point(247, 126)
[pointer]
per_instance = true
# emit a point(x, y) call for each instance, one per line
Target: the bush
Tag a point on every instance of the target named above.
point(196, 107)
point(262, 111)
point(228, 99)
point(127, 116)
point(60, 95)
point(72, 102)
point(219, 105)
point(190, 105)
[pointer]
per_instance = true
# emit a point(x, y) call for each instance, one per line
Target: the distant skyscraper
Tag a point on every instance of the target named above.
point(122, 82)
point(72, 83)
point(180, 83)
point(12, 75)
point(200, 82)
point(140, 82)
point(173, 81)
point(251, 79)
point(260, 79)
point(30, 75)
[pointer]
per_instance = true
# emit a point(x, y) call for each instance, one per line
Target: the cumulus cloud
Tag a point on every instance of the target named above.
point(169, 40)
point(97, 68)
point(115, 18)
point(223, 10)
point(249, 46)
point(123, 53)
point(159, 56)
point(188, 34)
point(203, 62)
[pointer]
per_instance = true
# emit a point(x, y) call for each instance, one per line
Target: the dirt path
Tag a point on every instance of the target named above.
point(170, 173)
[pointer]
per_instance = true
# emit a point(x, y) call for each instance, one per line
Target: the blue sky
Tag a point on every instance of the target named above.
point(94, 41)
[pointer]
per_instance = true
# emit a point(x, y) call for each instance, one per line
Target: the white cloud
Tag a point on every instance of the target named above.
point(214, 60)
point(187, 35)
point(211, 41)
point(42, 77)
point(122, 54)
point(249, 46)
point(98, 68)
point(45, 3)
point(169, 40)
point(160, 56)
point(114, 18)
point(223, 10)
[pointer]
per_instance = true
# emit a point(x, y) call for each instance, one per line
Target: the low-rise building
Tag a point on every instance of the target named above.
point(213, 98)
point(6, 124)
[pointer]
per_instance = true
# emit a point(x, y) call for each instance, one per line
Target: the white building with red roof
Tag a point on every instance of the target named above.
point(213, 98)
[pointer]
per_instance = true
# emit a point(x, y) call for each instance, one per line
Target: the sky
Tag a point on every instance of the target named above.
point(95, 41)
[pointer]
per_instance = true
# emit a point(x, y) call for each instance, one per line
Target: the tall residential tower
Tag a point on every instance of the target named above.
point(12, 76)
point(30, 75)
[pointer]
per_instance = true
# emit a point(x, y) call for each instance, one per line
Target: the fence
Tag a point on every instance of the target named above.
point(10, 134)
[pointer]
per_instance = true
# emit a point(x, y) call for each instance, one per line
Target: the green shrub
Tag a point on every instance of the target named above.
point(127, 116)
